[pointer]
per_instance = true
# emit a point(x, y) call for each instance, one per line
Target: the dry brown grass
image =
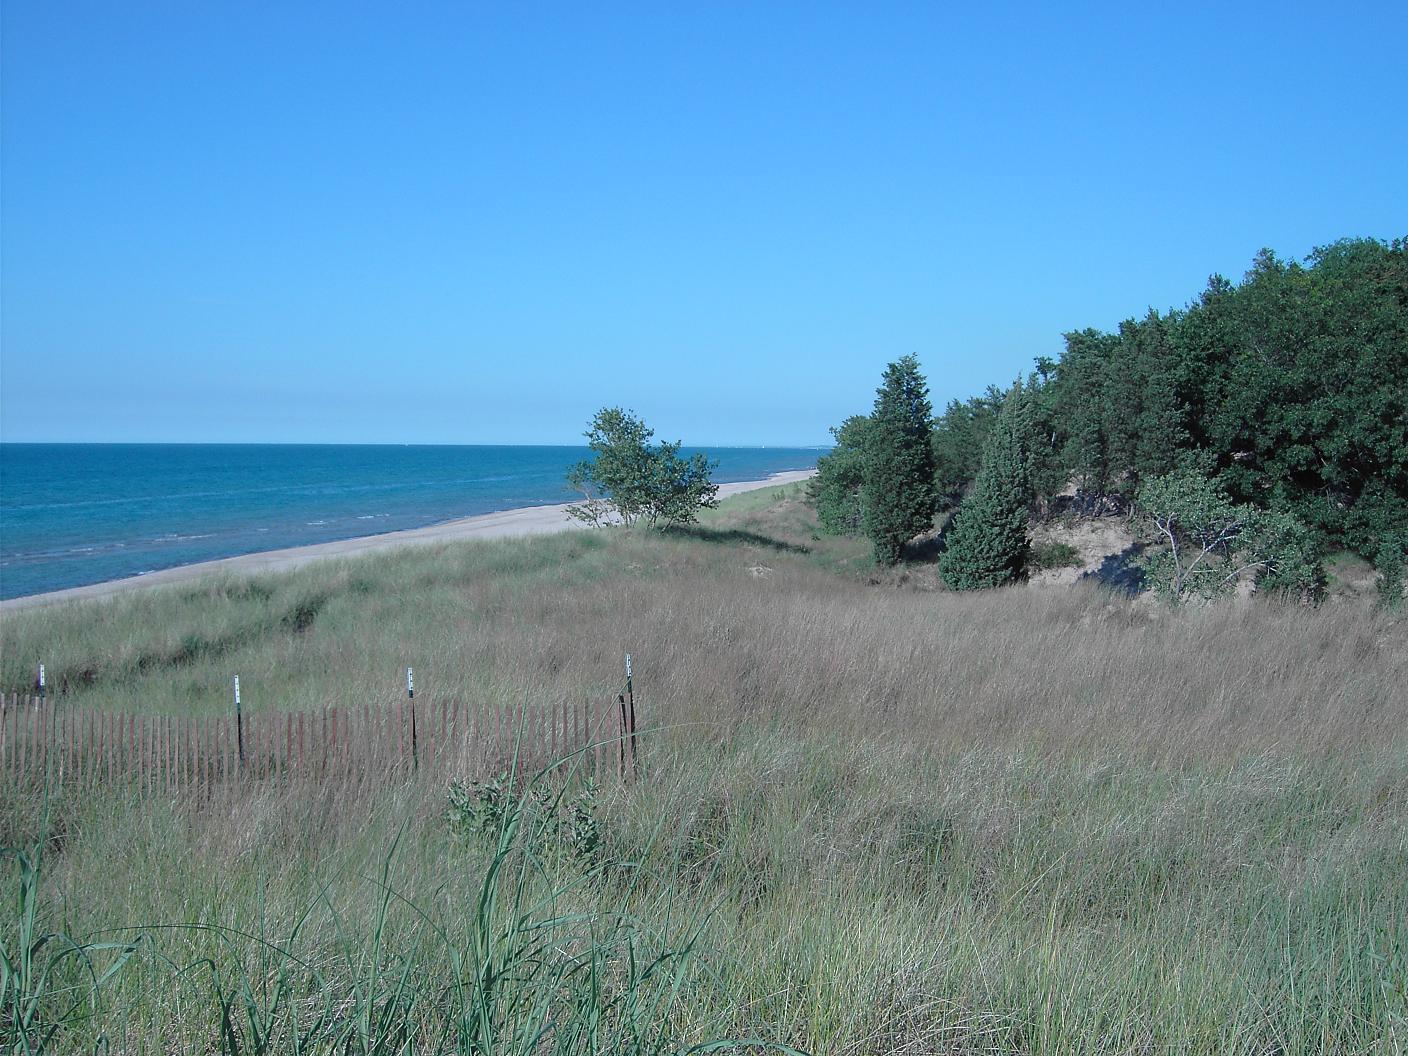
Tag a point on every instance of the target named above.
point(713, 636)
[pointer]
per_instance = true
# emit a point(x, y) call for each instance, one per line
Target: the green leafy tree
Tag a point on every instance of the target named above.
point(897, 493)
point(836, 489)
point(628, 480)
point(1306, 391)
point(987, 545)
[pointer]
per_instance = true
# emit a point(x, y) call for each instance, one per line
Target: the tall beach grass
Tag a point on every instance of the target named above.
point(871, 817)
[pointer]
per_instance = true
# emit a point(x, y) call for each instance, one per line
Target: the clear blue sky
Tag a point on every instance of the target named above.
point(477, 223)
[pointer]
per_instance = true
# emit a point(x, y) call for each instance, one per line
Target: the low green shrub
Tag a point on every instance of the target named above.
point(1053, 555)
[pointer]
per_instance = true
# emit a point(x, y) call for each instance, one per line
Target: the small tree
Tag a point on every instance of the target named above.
point(628, 481)
point(1208, 542)
point(835, 491)
point(987, 544)
point(898, 495)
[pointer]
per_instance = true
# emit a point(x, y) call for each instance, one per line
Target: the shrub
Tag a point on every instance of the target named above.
point(1054, 555)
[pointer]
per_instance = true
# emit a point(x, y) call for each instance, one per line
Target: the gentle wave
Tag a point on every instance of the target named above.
point(286, 489)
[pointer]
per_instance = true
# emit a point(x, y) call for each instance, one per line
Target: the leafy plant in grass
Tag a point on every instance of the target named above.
point(628, 480)
point(569, 825)
point(534, 968)
point(987, 545)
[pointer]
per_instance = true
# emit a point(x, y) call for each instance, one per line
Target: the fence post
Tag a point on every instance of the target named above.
point(621, 736)
point(631, 712)
point(239, 723)
point(43, 689)
point(595, 728)
point(411, 696)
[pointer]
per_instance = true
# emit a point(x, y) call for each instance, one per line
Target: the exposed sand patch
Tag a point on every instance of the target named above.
point(1095, 540)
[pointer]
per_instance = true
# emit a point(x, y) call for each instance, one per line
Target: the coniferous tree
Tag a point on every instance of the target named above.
point(959, 435)
point(1158, 418)
point(1080, 400)
point(987, 545)
point(898, 495)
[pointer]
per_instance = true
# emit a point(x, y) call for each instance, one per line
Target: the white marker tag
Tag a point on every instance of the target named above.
point(410, 681)
point(237, 691)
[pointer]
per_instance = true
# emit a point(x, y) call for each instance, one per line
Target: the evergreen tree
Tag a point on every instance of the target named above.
point(1079, 403)
point(898, 495)
point(987, 545)
point(959, 435)
point(1159, 431)
point(1047, 468)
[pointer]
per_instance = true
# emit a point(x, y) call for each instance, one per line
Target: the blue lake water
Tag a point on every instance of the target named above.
point(72, 514)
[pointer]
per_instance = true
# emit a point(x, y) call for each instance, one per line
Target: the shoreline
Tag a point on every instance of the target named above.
point(523, 521)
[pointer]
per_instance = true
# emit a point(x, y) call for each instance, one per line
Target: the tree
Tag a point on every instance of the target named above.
point(897, 495)
point(629, 481)
point(835, 491)
point(987, 544)
point(1206, 542)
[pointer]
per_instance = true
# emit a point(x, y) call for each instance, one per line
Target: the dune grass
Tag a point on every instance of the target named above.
point(872, 817)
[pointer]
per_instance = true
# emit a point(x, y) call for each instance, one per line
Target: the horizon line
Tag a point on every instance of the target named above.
point(369, 443)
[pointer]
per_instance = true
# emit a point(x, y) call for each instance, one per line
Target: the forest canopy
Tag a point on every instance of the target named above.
point(1289, 389)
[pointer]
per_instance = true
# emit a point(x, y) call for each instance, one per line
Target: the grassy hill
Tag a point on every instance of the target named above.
point(878, 817)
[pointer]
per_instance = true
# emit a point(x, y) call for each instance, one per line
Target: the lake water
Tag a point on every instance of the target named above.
point(72, 514)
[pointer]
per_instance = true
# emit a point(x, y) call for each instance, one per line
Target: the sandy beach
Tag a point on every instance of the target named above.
point(532, 520)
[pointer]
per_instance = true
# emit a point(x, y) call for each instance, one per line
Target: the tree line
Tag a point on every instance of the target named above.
point(1250, 431)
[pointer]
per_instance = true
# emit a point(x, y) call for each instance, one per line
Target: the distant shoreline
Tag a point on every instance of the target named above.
point(528, 520)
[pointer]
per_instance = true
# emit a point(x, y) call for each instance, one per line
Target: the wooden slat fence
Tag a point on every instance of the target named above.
point(48, 740)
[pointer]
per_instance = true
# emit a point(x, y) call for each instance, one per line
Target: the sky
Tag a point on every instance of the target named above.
point(478, 223)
